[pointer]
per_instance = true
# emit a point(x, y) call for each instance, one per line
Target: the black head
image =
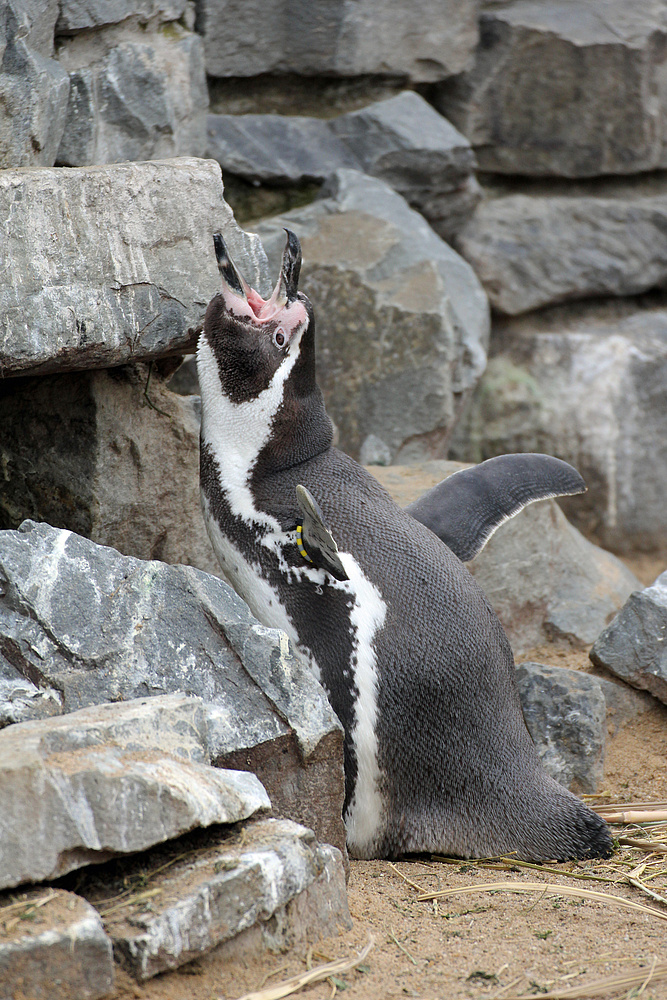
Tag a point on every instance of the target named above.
point(268, 344)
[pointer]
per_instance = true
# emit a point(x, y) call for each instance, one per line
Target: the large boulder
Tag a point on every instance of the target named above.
point(586, 385)
point(34, 88)
point(107, 264)
point(634, 645)
point(110, 454)
point(92, 626)
point(402, 321)
point(401, 140)
point(111, 779)
point(545, 581)
point(425, 41)
point(534, 251)
point(407, 144)
point(565, 87)
point(134, 95)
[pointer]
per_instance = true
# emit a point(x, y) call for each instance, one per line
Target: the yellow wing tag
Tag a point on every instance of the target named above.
point(299, 542)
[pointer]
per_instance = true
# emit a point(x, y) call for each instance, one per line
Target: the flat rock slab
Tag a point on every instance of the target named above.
point(53, 947)
point(216, 893)
point(634, 646)
point(534, 251)
point(544, 580)
point(401, 140)
point(81, 788)
point(402, 320)
point(586, 384)
point(107, 264)
point(564, 87)
point(565, 711)
point(81, 620)
point(368, 37)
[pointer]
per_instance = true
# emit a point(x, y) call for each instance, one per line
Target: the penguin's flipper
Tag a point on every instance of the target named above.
point(315, 541)
point(465, 509)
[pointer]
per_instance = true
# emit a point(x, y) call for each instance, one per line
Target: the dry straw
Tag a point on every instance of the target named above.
point(602, 987)
point(549, 889)
point(290, 986)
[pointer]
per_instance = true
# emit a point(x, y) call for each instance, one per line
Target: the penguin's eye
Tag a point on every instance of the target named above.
point(279, 337)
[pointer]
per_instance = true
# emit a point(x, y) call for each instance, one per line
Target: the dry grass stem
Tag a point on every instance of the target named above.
point(644, 888)
point(403, 949)
point(419, 888)
point(138, 897)
point(551, 888)
point(655, 847)
point(614, 807)
point(507, 864)
point(21, 904)
point(628, 816)
point(602, 987)
point(290, 986)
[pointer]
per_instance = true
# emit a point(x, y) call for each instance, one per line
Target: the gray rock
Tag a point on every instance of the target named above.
point(407, 144)
point(143, 97)
point(534, 251)
point(565, 712)
point(59, 952)
point(374, 451)
point(544, 580)
point(37, 21)
point(586, 385)
point(99, 627)
point(81, 788)
point(424, 42)
point(564, 87)
point(402, 320)
point(81, 15)
point(21, 700)
point(634, 646)
point(547, 583)
point(116, 262)
point(624, 704)
point(34, 88)
point(277, 149)
point(226, 890)
point(103, 474)
point(402, 141)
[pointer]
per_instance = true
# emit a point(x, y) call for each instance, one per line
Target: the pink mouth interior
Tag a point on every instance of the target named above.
point(256, 302)
point(265, 309)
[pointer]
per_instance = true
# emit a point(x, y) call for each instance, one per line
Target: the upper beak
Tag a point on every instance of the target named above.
point(229, 273)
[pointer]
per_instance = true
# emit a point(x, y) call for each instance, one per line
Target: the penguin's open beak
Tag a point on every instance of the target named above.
point(287, 285)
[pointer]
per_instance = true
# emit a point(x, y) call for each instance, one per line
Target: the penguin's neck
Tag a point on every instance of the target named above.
point(251, 440)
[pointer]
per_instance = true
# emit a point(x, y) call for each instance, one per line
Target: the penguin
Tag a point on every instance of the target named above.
point(412, 657)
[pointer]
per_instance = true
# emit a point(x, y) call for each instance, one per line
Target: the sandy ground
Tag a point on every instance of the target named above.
point(483, 945)
point(490, 944)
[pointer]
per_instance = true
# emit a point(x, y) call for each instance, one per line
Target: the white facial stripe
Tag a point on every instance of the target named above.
point(237, 432)
point(364, 819)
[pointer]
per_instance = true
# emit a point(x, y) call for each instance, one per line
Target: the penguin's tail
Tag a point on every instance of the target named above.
point(565, 829)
